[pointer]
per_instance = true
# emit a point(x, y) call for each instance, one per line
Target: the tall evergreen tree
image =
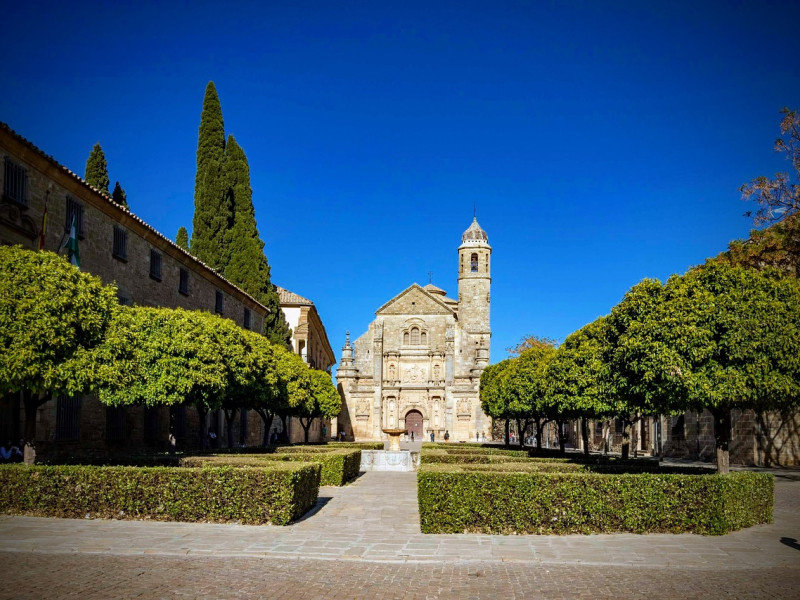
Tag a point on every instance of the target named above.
point(247, 266)
point(97, 169)
point(119, 196)
point(212, 208)
point(182, 239)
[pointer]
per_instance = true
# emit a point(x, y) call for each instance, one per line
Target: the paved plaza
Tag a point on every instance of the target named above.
point(363, 540)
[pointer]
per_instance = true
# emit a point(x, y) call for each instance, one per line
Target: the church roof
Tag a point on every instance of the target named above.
point(435, 303)
point(474, 233)
point(287, 297)
point(434, 290)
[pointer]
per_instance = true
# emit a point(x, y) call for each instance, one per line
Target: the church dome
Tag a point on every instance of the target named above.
point(474, 233)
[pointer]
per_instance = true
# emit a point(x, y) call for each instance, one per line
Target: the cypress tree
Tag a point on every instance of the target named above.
point(247, 266)
point(212, 208)
point(96, 173)
point(182, 239)
point(119, 196)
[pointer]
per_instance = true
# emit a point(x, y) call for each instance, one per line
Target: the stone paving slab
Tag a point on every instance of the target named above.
point(376, 519)
point(99, 577)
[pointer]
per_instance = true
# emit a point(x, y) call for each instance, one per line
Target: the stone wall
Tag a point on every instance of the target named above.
point(49, 183)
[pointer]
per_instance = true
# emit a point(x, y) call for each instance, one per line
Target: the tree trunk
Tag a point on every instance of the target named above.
point(172, 440)
point(561, 437)
point(508, 433)
point(230, 414)
point(585, 435)
point(306, 424)
point(202, 412)
point(267, 418)
point(626, 438)
point(522, 425)
point(32, 403)
point(539, 431)
point(722, 437)
point(284, 436)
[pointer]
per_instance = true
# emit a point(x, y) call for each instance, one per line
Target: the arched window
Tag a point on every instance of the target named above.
point(424, 338)
point(474, 263)
point(405, 338)
point(414, 336)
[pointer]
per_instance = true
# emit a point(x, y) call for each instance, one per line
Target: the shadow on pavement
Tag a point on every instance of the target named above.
point(791, 542)
point(321, 502)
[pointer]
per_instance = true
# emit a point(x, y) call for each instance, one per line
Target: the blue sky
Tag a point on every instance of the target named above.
point(602, 142)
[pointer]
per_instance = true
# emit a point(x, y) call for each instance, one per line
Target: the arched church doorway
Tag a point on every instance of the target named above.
point(414, 424)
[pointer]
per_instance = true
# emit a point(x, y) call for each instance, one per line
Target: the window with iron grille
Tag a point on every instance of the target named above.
point(74, 209)
point(120, 248)
point(219, 305)
point(15, 182)
point(248, 319)
point(183, 282)
point(115, 423)
point(68, 413)
point(150, 424)
point(155, 264)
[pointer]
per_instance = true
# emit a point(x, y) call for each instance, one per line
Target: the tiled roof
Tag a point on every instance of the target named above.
point(287, 297)
point(32, 146)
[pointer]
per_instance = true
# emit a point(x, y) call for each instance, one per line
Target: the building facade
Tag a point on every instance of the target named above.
point(147, 268)
point(310, 341)
point(418, 365)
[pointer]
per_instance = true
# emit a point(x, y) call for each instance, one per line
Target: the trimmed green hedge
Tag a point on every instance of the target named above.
point(434, 457)
point(338, 466)
point(359, 445)
point(535, 466)
point(273, 495)
point(459, 500)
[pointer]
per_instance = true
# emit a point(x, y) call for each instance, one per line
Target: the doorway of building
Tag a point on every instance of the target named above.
point(414, 424)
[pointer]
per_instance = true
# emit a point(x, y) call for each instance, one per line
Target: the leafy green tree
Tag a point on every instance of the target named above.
point(720, 338)
point(270, 396)
point(778, 198)
point(213, 214)
point(316, 397)
point(162, 356)
point(493, 400)
point(182, 239)
point(96, 173)
point(638, 385)
point(119, 196)
point(578, 377)
point(525, 388)
point(51, 315)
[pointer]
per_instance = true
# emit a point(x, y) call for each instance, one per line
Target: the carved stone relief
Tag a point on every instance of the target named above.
point(415, 374)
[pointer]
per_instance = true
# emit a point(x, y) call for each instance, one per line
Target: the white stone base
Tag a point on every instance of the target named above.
point(386, 460)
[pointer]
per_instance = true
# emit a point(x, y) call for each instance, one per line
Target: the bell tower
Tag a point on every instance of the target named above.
point(474, 284)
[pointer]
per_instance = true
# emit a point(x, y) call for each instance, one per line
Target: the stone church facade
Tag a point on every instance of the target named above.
point(419, 363)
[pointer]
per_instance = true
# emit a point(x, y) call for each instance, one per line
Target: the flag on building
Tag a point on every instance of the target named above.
point(71, 244)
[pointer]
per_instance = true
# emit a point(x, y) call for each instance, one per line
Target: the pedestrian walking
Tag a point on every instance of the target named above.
point(446, 436)
point(432, 437)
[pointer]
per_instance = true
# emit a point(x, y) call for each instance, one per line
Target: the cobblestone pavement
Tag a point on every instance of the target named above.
point(363, 540)
point(90, 577)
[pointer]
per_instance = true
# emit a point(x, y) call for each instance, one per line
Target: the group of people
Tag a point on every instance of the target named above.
point(12, 452)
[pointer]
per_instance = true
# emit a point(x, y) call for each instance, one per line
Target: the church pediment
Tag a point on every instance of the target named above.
point(414, 300)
